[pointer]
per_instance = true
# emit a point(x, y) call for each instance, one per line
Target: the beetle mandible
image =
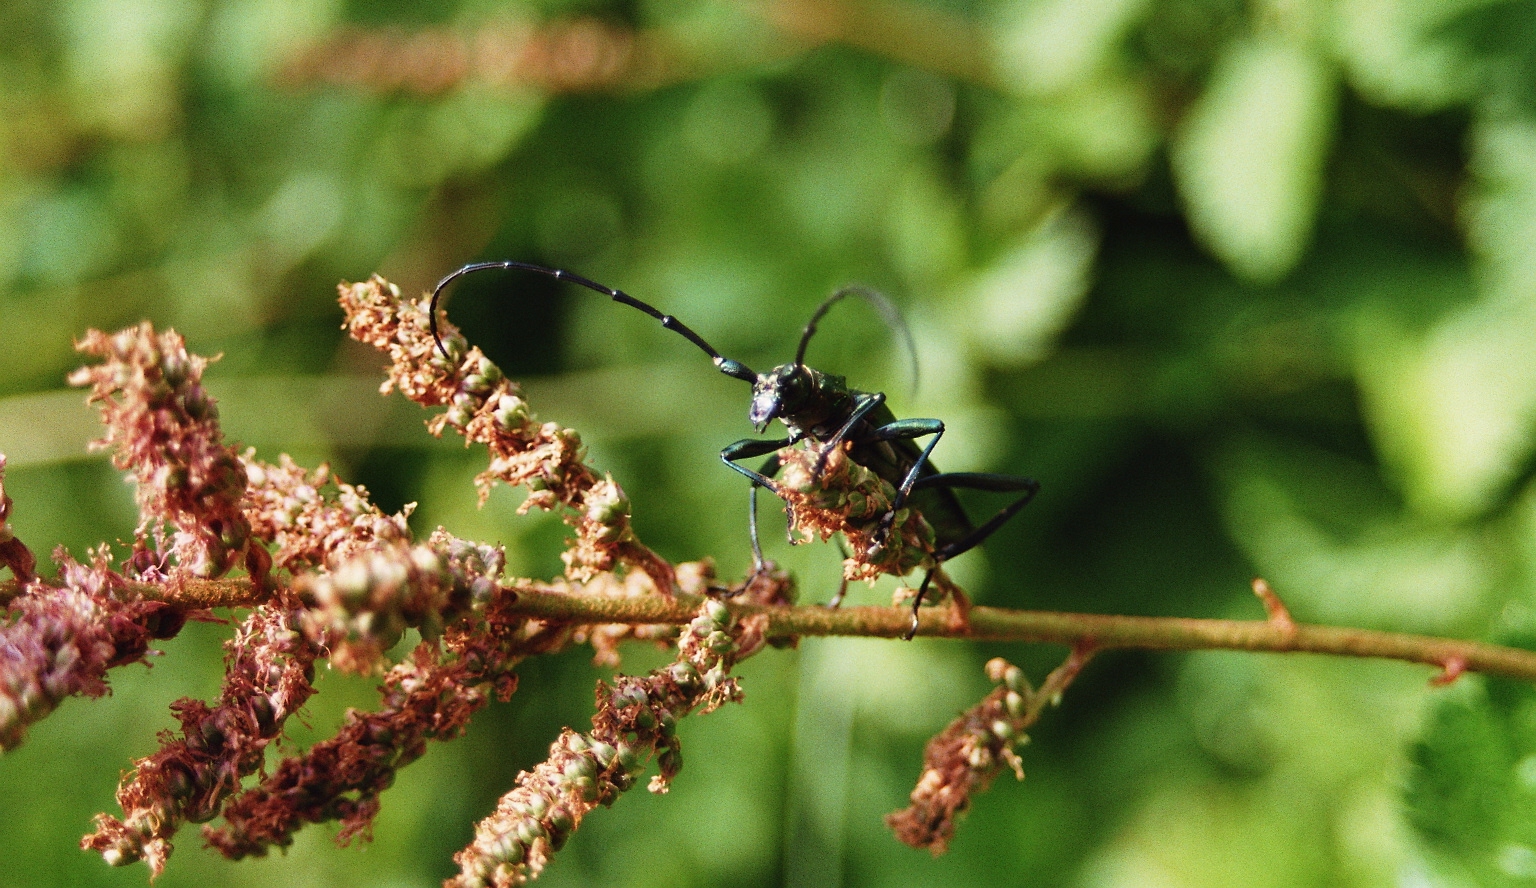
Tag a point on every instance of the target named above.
point(820, 410)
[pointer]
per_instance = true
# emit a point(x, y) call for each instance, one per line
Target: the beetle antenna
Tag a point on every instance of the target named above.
point(883, 306)
point(727, 366)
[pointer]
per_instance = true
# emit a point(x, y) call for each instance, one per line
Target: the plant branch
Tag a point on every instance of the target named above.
point(1102, 631)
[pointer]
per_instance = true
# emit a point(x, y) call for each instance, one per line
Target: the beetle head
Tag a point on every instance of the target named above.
point(779, 393)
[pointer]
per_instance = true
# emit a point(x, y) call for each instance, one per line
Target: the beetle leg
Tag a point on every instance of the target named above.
point(910, 429)
point(865, 403)
point(769, 468)
point(746, 449)
point(981, 481)
point(842, 587)
point(918, 602)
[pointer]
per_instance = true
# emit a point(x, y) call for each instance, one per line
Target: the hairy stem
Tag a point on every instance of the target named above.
point(1452, 656)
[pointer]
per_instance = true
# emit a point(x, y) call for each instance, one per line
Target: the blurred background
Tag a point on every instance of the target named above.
point(1248, 286)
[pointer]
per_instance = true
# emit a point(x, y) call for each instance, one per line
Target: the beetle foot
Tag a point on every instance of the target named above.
point(822, 456)
point(881, 536)
point(842, 590)
point(912, 631)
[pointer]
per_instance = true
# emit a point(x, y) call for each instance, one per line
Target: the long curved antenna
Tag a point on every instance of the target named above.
point(727, 366)
point(883, 306)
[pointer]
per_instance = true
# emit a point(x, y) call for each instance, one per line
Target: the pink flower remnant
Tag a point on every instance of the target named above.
point(488, 409)
point(361, 609)
point(636, 720)
point(850, 499)
point(270, 674)
point(312, 518)
point(13, 553)
point(965, 758)
point(165, 430)
point(375, 585)
point(59, 641)
point(429, 696)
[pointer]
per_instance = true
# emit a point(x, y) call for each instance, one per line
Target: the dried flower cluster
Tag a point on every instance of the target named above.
point(431, 695)
point(966, 756)
point(13, 553)
point(488, 409)
point(61, 640)
point(164, 428)
point(312, 519)
point(269, 677)
point(636, 720)
point(848, 498)
point(572, 55)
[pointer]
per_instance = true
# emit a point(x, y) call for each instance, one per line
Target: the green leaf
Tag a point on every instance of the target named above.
point(1472, 791)
point(1249, 158)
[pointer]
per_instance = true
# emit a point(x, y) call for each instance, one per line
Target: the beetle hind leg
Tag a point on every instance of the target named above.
point(961, 618)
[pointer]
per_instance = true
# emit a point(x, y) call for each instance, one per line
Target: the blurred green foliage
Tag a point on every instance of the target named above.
point(1247, 285)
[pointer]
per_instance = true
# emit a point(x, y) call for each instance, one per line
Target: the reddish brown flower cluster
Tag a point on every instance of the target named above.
point(311, 518)
point(60, 640)
point(966, 756)
point(429, 696)
point(270, 667)
point(373, 583)
point(850, 499)
point(560, 56)
point(362, 608)
point(486, 408)
point(165, 430)
point(13, 553)
point(636, 720)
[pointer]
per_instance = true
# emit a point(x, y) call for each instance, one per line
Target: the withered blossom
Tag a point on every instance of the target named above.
point(313, 518)
point(429, 696)
point(636, 720)
point(486, 408)
point(13, 553)
point(269, 676)
point(61, 638)
point(569, 55)
point(164, 429)
point(850, 499)
point(968, 754)
point(362, 607)
point(377, 585)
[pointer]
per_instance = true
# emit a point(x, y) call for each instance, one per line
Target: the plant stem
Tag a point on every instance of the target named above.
point(1101, 632)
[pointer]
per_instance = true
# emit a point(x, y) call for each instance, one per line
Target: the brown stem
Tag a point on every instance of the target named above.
point(1100, 631)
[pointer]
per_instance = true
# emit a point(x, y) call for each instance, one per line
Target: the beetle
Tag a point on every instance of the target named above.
point(822, 411)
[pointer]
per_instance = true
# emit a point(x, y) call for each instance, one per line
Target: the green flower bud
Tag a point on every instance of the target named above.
point(683, 673)
point(530, 830)
point(628, 758)
point(506, 849)
point(560, 823)
point(718, 613)
point(537, 806)
point(580, 769)
point(603, 753)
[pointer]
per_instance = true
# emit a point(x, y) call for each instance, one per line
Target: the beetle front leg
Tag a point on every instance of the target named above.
point(866, 403)
point(908, 429)
point(769, 468)
point(746, 449)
